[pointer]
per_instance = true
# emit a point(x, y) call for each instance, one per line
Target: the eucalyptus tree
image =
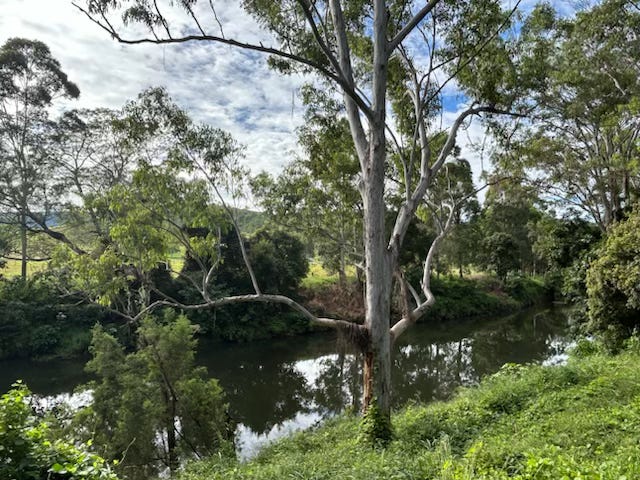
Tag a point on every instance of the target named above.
point(452, 205)
point(91, 153)
point(369, 52)
point(317, 194)
point(580, 145)
point(30, 80)
point(507, 222)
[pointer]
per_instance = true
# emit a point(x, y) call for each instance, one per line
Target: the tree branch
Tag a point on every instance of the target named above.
point(408, 28)
point(347, 88)
point(250, 298)
point(352, 106)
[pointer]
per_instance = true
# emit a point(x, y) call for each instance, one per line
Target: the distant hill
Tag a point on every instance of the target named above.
point(250, 221)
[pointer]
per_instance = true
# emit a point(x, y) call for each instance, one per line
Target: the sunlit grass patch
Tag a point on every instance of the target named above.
point(319, 277)
point(176, 261)
point(13, 268)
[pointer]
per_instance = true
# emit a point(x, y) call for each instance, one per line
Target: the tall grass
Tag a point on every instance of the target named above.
point(576, 421)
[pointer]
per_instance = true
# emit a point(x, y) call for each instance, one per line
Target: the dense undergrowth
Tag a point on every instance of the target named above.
point(461, 299)
point(35, 323)
point(576, 421)
point(456, 298)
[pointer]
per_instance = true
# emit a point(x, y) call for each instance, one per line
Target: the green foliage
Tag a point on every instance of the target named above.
point(250, 221)
point(560, 242)
point(460, 299)
point(507, 230)
point(375, 428)
point(613, 283)
point(279, 262)
point(176, 178)
point(154, 392)
point(316, 196)
point(581, 141)
point(525, 290)
point(35, 322)
point(502, 253)
point(30, 451)
point(578, 420)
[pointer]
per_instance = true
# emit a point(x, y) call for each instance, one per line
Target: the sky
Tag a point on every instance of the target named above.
point(223, 86)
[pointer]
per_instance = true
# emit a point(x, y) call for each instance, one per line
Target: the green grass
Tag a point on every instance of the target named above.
point(319, 277)
point(13, 268)
point(176, 260)
point(578, 421)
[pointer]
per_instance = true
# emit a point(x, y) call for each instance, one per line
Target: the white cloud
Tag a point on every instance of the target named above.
point(226, 87)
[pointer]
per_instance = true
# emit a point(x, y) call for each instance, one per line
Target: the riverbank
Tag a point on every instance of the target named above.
point(278, 386)
point(456, 298)
point(34, 324)
point(578, 420)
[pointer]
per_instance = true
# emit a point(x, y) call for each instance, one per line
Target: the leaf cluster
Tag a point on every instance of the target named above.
point(30, 451)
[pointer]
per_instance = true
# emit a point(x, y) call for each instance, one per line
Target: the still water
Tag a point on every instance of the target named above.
point(279, 386)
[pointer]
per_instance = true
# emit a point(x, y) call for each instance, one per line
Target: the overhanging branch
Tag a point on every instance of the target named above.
point(344, 84)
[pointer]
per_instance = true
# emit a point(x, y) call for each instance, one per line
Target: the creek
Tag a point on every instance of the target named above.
point(278, 386)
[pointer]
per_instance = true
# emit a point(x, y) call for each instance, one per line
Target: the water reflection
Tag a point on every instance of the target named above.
point(273, 386)
point(278, 386)
point(46, 378)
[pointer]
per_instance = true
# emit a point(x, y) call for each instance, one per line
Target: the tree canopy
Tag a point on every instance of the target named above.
point(30, 80)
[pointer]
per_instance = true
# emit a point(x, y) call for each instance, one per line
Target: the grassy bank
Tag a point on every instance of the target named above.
point(577, 421)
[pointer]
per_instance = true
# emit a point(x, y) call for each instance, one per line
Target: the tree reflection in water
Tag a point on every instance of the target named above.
point(277, 386)
point(269, 384)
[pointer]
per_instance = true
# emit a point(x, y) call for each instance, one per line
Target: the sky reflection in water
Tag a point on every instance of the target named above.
point(277, 387)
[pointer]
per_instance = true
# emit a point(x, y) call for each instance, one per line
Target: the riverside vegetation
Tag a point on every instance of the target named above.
point(35, 324)
point(526, 422)
point(105, 199)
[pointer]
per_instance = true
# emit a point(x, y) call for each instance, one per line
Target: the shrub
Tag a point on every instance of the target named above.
point(34, 322)
point(28, 450)
point(613, 284)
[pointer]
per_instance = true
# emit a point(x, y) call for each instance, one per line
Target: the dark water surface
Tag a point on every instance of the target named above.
point(275, 387)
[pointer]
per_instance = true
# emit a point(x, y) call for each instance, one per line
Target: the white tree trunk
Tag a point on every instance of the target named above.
point(377, 358)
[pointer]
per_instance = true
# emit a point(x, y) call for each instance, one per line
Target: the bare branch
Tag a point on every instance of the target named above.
point(346, 86)
point(251, 298)
point(409, 319)
point(408, 28)
point(30, 259)
point(215, 15)
point(351, 105)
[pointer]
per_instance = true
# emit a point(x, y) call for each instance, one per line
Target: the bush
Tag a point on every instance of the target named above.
point(613, 284)
point(461, 299)
point(34, 322)
point(525, 290)
point(28, 450)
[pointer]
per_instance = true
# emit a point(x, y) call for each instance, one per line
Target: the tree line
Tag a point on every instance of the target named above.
point(380, 184)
